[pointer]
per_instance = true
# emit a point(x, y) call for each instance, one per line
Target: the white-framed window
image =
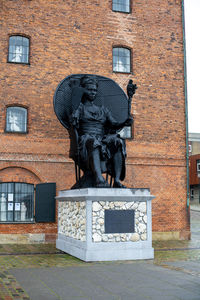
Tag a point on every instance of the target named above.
point(18, 49)
point(16, 119)
point(190, 148)
point(126, 132)
point(16, 202)
point(198, 166)
point(121, 60)
point(121, 5)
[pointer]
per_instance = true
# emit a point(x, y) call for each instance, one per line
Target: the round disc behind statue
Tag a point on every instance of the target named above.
point(109, 94)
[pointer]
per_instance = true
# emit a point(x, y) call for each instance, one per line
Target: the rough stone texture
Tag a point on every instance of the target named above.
point(72, 219)
point(98, 227)
point(22, 238)
point(64, 41)
point(99, 246)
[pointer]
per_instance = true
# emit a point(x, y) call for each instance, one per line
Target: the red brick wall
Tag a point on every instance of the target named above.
point(68, 37)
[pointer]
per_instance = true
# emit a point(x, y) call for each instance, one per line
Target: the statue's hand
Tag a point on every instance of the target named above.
point(128, 122)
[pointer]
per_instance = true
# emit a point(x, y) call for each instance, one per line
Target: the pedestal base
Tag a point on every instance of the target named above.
point(85, 232)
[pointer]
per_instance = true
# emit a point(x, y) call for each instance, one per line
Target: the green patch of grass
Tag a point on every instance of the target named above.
point(28, 248)
point(176, 244)
point(165, 256)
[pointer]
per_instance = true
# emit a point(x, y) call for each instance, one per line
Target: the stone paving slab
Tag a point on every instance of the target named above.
point(120, 281)
point(192, 267)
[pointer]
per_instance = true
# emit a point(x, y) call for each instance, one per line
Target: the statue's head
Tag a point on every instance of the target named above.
point(90, 84)
point(88, 79)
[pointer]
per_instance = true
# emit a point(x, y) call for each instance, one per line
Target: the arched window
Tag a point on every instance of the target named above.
point(16, 119)
point(121, 60)
point(18, 49)
point(16, 202)
point(121, 5)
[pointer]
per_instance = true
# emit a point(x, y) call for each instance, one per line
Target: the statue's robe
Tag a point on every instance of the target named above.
point(97, 129)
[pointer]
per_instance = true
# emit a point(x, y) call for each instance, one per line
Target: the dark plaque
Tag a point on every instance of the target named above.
point(119, 221)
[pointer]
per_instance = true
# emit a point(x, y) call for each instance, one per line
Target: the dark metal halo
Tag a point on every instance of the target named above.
point(109, 94)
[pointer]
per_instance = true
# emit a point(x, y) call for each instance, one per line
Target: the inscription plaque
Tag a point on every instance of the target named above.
point(119, 221)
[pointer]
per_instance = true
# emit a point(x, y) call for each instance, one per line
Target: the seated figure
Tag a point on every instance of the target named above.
point(101, 149)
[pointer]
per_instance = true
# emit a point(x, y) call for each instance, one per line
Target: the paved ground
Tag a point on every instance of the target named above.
point(112, 281)
point(30, 273)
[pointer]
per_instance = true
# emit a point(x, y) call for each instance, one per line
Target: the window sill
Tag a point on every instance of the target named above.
point(122, 12)
point(16, 132)
point(118, 72)
point(18, 63)
point(17, 222)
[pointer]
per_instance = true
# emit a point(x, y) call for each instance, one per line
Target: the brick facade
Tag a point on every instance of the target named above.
point(69, 37)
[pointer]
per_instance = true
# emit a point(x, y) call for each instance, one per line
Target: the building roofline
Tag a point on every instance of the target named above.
point(194, 137)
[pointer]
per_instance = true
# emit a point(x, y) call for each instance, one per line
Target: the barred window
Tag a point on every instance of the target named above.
point(16, 202)
point(16, 119)
point(121, 5)
point(121, 60)
point(18, 49)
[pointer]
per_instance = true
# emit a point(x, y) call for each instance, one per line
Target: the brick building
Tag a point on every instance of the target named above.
point(194, 143)
point(194, 147)
point(44, 41)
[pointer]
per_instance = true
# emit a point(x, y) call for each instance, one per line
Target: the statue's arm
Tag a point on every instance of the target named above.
point(117, 125)
point(75, 116)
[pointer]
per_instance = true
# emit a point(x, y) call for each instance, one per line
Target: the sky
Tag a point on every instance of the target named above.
point(192, 31)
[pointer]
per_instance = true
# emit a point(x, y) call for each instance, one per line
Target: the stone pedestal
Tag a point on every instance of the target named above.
point(105, 224)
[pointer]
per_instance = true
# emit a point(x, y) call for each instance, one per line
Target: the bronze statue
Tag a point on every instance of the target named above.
point(98, 147)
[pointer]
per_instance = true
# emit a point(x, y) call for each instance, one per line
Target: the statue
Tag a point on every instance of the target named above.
point(99, 148)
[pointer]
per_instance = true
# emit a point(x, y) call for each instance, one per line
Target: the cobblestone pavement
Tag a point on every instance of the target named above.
point(42, 272)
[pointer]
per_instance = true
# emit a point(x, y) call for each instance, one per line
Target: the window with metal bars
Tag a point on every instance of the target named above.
point(16, 202)
point(16, 119)
point(121, 60)
point(121, 5)
point(18, 49)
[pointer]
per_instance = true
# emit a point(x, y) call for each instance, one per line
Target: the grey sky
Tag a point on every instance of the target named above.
point(192, 24)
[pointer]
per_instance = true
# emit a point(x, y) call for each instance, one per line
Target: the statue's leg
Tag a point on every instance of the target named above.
point(118, 163)
point(96, 168)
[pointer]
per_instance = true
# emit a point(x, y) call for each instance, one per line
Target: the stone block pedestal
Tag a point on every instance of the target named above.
point(105, 224)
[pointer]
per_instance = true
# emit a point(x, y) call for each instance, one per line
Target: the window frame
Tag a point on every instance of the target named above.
point(28, 56)
point(123, 12)
point(131, 132)
point(32, 218)
point(198, 166)
point(130, 58)
point(16, 132)
point(190, 148)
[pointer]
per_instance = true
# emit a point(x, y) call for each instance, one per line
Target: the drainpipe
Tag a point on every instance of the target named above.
point(186, 105)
